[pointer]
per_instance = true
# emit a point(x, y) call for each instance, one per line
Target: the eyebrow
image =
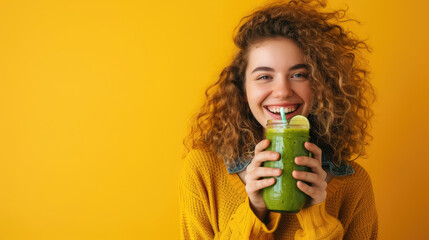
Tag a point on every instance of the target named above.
point(297, 66)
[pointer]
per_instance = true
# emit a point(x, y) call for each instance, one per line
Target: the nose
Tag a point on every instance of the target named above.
point(282, 88)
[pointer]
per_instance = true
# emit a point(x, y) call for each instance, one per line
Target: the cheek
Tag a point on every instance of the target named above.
point(307, 94)
point(254, 95)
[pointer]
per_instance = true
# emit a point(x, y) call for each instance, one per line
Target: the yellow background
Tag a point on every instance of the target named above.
point(95, 97)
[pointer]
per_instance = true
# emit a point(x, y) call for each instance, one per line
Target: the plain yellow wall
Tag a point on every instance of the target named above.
point(95, 97)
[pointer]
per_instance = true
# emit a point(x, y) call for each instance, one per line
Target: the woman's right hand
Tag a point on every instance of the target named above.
point(255, 182)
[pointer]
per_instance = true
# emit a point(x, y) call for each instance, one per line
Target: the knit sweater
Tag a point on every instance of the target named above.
point(214, 205)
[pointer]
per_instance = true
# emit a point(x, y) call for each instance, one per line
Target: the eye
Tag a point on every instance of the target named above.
point(299, 75)
point(263, 77)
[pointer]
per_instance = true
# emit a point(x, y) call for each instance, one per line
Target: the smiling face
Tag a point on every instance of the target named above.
point(277, 76)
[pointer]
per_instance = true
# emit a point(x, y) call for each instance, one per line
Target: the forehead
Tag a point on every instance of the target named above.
point(276, 53)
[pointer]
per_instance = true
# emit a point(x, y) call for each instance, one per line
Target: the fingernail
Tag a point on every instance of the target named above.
point(296, 160)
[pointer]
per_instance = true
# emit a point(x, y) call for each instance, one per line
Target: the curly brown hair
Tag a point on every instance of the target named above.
point(339, 79)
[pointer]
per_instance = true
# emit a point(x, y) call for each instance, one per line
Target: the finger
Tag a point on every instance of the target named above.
point(257, 185)
point(262, 157)
point(263, 172)
point(313, 178)
point(312, 163)
point(318, 195)
point(313, 148)
point(261, 146)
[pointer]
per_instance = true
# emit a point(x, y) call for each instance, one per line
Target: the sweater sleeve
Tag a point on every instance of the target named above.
point(244, 224)
point(317, 223)
point(358, 213)
point(198, 221)
point(194, 221)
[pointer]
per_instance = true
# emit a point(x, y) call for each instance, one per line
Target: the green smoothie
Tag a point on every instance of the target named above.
point(288, 140)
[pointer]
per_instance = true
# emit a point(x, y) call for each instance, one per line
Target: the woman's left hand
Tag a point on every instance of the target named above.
point(316, 177)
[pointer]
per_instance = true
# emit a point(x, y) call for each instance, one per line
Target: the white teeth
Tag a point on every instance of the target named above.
point(276, 109)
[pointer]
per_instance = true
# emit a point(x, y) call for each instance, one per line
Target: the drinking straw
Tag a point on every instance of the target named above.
point(282, 113)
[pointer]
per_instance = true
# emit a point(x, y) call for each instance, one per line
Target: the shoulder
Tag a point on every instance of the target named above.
point(356, 208)
point(200, 173)
point(201, 165)
point(360, 180)
point(199, 160)
point(360, 172)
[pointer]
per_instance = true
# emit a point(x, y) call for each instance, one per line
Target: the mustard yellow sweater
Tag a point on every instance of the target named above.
point(214, 205)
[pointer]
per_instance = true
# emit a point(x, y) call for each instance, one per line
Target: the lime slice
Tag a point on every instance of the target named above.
point(300, 121)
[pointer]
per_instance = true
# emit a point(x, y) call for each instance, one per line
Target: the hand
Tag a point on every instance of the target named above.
point(317, 188)
point(255, 172)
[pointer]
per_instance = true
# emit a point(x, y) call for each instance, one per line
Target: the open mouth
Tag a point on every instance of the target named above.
point(288, 109)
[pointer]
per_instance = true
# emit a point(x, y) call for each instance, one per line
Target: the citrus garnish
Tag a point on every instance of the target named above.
point(300, 121)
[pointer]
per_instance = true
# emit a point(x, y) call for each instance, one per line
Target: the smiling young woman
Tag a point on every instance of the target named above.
point(277, 76)
point(292, 55)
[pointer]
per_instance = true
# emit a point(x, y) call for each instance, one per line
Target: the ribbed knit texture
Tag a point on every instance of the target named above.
point(214, 205)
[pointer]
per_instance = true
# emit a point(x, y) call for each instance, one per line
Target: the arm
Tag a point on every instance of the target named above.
point(194, 221)
point(358, 214)
point(315, 221)
point(364, 220)
point(243, 224)
point(197, 218)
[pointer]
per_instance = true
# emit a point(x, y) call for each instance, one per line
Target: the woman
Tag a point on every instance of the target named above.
point(291, 55)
